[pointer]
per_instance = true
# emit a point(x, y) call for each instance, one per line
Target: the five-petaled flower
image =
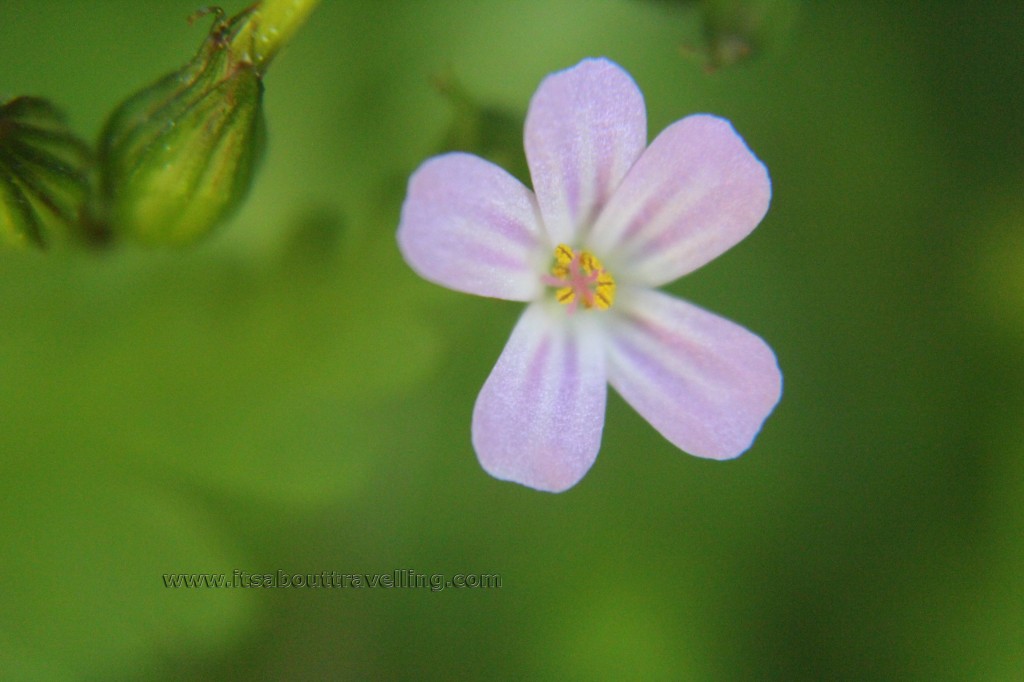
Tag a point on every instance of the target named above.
point(608, 220)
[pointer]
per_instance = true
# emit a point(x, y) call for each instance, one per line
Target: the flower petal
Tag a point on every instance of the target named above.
point(693, 194)
point(585, 127)
point(705, 383)
point(470, 226)
point(539, 416)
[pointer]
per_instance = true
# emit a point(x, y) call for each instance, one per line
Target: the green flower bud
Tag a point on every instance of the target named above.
point(178, 157)
point(44, 180)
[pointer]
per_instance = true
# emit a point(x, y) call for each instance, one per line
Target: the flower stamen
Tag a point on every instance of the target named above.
point(579, 277)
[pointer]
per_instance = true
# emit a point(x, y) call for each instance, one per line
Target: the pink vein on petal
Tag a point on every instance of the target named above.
point(705, 383)
point(539, 415)
point(470, 226)
point(692, 195)
point(584, 129)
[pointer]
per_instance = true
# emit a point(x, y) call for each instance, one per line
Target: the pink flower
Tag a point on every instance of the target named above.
point(609, 220)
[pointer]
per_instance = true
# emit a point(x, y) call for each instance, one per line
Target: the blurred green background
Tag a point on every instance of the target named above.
point(289, 396)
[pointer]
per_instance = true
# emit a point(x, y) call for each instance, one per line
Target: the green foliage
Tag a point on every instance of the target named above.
point(487, 130)
point(127, 408)
point(736, 30)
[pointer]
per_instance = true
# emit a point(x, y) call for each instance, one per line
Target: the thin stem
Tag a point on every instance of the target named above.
point(268, 27)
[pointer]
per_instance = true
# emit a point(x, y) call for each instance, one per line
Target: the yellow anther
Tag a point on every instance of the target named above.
point(579, 277)
point(604, 292)
point(563, 257)
point(565, 295)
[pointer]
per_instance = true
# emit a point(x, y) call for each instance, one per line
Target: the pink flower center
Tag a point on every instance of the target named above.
point(579, 277)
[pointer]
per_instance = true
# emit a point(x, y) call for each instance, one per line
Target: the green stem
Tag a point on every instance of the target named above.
point(269, 27)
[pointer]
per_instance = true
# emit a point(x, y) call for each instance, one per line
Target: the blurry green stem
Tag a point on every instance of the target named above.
point(268, 28)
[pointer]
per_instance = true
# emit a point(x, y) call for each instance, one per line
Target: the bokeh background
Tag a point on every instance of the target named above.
point(287, 395)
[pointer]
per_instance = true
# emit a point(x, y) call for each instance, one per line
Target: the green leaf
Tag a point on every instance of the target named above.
point(85, 547)
point(264, 382)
